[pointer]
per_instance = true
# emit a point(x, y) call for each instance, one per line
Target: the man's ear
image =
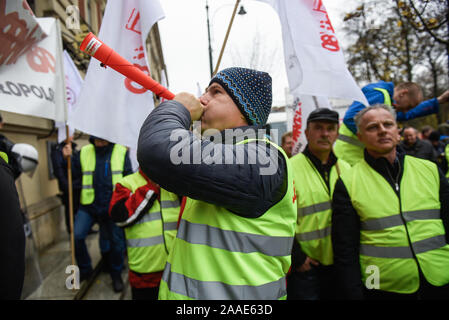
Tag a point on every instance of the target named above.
point(403, 92)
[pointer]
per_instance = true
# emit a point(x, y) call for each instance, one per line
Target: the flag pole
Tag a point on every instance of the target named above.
point(226, 37)
point(70, 187)
point(67, 140)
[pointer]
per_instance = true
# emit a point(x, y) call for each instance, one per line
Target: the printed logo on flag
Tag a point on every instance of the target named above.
point(138, 55)
point(328, 39)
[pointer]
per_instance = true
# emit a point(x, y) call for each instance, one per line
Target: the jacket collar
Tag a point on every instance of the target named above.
point(391, 172)
point(317, 162)
point(236, 135)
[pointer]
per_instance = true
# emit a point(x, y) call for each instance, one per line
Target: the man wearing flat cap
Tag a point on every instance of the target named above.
point(237, 229)
point(312, 275)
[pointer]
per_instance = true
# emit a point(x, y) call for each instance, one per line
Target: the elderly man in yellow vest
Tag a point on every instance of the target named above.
point(236, 233)
point(390, 219)
point(312, 276)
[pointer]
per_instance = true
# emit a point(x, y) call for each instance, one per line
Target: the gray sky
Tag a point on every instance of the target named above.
point(185, 42)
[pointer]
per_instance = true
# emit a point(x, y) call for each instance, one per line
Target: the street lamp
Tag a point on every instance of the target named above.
point(241, 12)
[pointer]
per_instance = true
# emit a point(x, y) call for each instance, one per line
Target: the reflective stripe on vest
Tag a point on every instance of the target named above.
point(170, 206)
point(387, 224)
point(233, 241)
point(231, 257)
point(387, 98)
point(313, 228)
point(348, 147)
point(149, 240)
point(221, 291)
point(4, 156)
point(88, 163)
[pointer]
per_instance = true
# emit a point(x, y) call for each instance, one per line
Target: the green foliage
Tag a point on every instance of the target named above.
point(400, 40)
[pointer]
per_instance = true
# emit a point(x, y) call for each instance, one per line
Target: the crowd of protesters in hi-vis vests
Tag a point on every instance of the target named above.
point(202, 197)
point(361, 213)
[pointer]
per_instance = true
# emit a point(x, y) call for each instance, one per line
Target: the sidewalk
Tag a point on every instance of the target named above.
point(53, 263)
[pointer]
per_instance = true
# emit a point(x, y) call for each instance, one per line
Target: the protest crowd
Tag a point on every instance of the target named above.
point(218, 211)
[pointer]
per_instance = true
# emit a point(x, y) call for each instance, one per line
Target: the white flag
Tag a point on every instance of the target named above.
point(304, 105)
point(199, 92)
point(313, 57)
point(163, 83)
point(34, 84)
point(73, 83)
point(19, 30)
point(111, 106)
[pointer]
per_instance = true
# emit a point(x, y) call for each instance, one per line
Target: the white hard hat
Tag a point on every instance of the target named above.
point(28, 156)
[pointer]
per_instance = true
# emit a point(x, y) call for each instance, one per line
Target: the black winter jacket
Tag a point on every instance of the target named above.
point(346, 224)
point(12, 237)
point(60, 168)
point(246, 179)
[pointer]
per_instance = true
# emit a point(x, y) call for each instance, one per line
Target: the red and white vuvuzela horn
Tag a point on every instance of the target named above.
point(100, 51)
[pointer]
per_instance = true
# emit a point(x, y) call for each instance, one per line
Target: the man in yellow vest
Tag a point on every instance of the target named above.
point(149, 216)
point(390, 219)
point(312, 276)
point(236, 233)
point(101, 165)
point(406, 98)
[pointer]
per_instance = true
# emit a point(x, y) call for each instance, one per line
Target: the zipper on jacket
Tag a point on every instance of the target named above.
point(396, 183)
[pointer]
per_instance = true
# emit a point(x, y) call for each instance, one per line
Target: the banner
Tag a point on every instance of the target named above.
point(304, 105)
point(73, 83)
point(313, 57)
point(111, 106)
point(19, 30)
point(34, 84)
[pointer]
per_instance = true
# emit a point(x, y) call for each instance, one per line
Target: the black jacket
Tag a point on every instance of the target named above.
point(346, 224)
point(226, 178)
point(60, 168)
point(421, 149)
point(12, 237)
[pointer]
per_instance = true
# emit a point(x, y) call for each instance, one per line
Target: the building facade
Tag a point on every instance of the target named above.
point(39, 193)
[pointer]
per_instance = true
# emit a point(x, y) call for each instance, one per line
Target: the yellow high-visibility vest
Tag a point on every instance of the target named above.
point(313, 228)
point(220, 255)
point(149, 240)
point(388, 222)
point(87, 159)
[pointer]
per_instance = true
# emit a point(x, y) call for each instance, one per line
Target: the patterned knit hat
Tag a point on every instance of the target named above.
point(250, 90)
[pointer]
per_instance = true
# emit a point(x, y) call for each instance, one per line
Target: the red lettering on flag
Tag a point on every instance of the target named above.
point(40, 60)
point(15, 36)
point(132, 21)
point(133, 86)
point(318, 6)
point(327, 34)
point(297, 123)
